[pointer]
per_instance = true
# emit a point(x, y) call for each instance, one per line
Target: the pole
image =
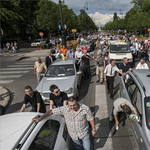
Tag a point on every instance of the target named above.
point(63, 36)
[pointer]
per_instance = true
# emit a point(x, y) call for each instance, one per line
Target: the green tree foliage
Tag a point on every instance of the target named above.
point(136, 19)
point(115, 16)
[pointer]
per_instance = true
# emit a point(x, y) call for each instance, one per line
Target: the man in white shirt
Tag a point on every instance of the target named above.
point(109, 75)
point(78, 53)
point(142, 64)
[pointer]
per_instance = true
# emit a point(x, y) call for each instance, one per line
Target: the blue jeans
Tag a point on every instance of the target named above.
point(84, 143)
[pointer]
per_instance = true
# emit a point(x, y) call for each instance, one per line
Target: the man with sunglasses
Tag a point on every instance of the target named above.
point(57, 97)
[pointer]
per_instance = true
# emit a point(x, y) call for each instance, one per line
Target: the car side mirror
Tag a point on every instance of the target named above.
point(42, 74)
point(134, 117)
point(79, 72)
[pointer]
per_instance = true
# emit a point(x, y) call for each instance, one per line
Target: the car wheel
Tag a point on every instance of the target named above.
point(77, 93)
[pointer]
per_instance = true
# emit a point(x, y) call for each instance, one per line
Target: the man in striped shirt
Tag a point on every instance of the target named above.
point(77, 117)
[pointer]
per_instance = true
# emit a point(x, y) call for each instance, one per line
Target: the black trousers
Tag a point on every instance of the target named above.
point(110, 84)
point(133, 55)
point(86, 71)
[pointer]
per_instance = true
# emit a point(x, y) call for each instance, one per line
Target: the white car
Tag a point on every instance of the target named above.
point(18, 132)
point(38, 41)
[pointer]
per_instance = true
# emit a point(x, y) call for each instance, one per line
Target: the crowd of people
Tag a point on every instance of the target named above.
point(78, 115)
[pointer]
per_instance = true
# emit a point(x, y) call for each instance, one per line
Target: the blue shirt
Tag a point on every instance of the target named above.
point(69, 54)
point(133, 49)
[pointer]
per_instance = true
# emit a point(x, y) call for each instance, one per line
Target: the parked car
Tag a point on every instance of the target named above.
point(119, 50)
point(87, 44)
point(135, 86)
point(65, 74)
point(18, 132)
point(38, 41)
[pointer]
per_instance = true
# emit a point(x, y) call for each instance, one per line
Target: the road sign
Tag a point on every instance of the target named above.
point(59, 27)
point(149, 30)
point(41, 33)
point(74, 30)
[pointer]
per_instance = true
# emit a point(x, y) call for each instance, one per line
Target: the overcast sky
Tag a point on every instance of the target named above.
point(101, 11)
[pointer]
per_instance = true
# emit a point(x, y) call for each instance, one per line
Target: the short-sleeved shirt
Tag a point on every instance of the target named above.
point(69, 54)
point(58, 100)
point(34, 101)
point(77, 124)
point(78, 54)
point(118, 102)
point(100, 61)
point(40, 67)
point(85, 60)
point(108, 70)
point(64, 51)
point(124, 68)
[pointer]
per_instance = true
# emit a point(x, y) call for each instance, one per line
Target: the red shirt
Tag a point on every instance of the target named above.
point(83, 48)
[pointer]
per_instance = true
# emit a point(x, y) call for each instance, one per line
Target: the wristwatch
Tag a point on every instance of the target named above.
point(93, 129)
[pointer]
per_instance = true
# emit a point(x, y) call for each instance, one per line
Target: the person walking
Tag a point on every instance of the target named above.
point(39, 68)
point(121, 105)
point(49, 59)
point(69, 53)
point(142, 64)
point(106, 60)
point(59, 55)
point(57, 97)
point(35, 99)
point(99, 67)
point(77, 117)
point(109, 75)
point(134, 53)
point(86, 64)
point(64, 50)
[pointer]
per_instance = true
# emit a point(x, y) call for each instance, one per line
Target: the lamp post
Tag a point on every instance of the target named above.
point(63, 35)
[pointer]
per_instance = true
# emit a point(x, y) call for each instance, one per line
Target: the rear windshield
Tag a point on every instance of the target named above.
point(147, 111)
point(119, 49)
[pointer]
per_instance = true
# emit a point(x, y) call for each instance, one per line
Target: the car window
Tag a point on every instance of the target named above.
point(46, 137)
point(147, 110)
point(137, 101)
point(119, 49)
point(65, 133)
point(130, 85)
point(61, 70)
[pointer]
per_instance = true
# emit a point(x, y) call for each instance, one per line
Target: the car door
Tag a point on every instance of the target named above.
point(137, 126)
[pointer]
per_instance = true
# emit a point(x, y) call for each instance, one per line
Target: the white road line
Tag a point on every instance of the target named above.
point(4, 69)
point(5, 81)
point(13, 72)
point(21, 65)
point(102, 123)
point(24, 63)
point(10, 76)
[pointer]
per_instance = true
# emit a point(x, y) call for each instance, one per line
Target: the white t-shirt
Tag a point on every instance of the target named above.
point(78, 54)
point(140, 66)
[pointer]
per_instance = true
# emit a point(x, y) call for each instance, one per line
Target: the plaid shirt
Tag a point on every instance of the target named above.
point(77, 124)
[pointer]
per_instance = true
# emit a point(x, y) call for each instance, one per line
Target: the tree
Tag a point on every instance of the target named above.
point(115, 16)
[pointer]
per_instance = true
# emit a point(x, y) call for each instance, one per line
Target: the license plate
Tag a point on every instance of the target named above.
point(47, 100)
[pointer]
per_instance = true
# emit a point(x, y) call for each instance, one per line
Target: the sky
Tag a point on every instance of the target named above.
point(101, 11)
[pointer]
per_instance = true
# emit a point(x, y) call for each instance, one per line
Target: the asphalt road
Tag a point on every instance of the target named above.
point(91, 94)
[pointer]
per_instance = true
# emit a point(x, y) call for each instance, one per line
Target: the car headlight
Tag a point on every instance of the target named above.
point(69, 91)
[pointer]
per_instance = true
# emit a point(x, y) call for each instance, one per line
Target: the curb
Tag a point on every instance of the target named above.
point(4, 96)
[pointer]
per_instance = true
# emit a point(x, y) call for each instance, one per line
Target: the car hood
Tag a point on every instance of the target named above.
point(63, 83)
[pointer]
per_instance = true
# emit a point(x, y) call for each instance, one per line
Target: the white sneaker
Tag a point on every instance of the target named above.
point(117, 127)
point(110, 118)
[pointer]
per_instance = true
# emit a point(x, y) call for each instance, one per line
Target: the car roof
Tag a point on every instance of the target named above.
point(143, 75)
point(14, 125)
point(64, 62)
point(116, 42)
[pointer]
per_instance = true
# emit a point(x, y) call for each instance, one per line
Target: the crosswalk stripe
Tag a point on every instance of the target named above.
point(10, 76)
point(5, 81)
point(21, 65)
point(4, 69)
point(13, 72)
point(24, 63)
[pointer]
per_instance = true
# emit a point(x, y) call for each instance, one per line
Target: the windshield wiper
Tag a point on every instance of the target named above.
point(60, 75)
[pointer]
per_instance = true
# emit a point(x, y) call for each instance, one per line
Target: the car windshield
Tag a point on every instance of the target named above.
point(60, 70)
point(147, 111)
point(119, 49)
point(37, 40)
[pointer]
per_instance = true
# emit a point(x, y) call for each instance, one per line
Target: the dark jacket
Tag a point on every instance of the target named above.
point(48, 60)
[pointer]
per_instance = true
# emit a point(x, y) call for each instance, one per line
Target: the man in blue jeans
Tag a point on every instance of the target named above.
point(77, 117)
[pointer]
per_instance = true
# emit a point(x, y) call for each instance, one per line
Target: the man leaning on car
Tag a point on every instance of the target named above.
point(76, 116)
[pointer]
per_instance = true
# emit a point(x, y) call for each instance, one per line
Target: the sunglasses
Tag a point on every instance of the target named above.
point(57, 91)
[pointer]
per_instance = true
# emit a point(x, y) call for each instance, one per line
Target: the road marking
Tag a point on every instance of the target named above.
point(10, 76)
point(4, 69)
point(13, 72)
point(5, 81)
point(21, 65)
point(101, 120)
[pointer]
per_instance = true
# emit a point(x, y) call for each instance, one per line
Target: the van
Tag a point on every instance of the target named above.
point(118, 50)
